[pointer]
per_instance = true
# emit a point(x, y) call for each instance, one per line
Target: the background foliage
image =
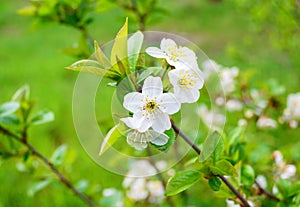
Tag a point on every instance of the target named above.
point(258, 36)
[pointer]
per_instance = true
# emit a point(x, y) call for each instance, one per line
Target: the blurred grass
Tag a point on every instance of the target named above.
point(34, 56)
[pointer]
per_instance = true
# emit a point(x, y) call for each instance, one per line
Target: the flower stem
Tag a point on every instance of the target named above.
point(23, 139)
point(196, 148)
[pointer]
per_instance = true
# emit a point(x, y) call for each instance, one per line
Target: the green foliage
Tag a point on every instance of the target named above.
point(223, 167)
point(279, 19)
point(38, 186)
point(58, 155)
point(134, 48)
point(247, 175)
point(214, 183)
point(111, 137)
point(172, 137)
point(42, 117)
point(182, 181)
point(212, 147)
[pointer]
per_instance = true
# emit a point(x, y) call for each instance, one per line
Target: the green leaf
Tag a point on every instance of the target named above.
point(10, 119)
point(36, 187)
point(27, 11)
point(212, 147)
point(119, 50)
point(58, 155)
point(112, 136)
point(235, 135)
point(100, 56)
point(22, 94)
point(247, 175)
point(284, 186)
point(214, 183)
point(182, 181)
point(146, 73)
point(223, 167)
point(134, 48)
point(9, 108)
point(295, 189)
point(82, 185)
point(26, 155)
point(172, 136)
point(42, 117)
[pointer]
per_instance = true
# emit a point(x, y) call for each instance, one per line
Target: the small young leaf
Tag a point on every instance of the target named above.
point(36, 187)
point(182, 181)
point(214, 183)
point(247, 175)
point(26, 155)
point(146, 73)
point(58, 155)
point(82, 185)
point(9, 119)
point(134, 47)
point(235, 134)
point(22, 94)
point(93, 67)
point(112, 136)
point(42, 117)
point(223, 167)
point(212, 147)
point(100, 56)
point(8, 108)
point(119, 49)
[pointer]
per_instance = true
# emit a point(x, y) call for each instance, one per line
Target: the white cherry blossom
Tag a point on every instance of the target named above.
point(186, 83)
point(266, 123)
point(174, 55)
point(139, 140)
point(292, 112)
point(152, 107)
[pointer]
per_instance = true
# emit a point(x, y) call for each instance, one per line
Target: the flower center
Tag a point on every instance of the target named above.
point(186, 80)
point(150, 106)
point(174, 53)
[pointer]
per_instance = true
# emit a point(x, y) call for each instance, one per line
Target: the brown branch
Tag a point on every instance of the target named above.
point(23, 139)
point(265, 192)
point(196, 148)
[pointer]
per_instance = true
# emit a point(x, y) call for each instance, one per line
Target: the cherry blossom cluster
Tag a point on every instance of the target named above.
point(152, 106)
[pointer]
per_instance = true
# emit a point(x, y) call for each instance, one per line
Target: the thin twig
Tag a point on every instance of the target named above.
point(196, 148)
point(267, 193)
point(23, 139)
point(186, 138)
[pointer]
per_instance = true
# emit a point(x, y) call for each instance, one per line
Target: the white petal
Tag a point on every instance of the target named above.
point(161, 122)
point(166, 44)
point(174, 76)
point(130, 122)
point(152, 87)
point(144, 123)
point(186, 95)
point(133, 102)
point(158, 138)
point(155, 52)
point(188, 53)
point(169, 103)
point(137, 140)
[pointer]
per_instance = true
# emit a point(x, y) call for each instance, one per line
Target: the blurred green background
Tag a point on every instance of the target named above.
point(229, 32)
